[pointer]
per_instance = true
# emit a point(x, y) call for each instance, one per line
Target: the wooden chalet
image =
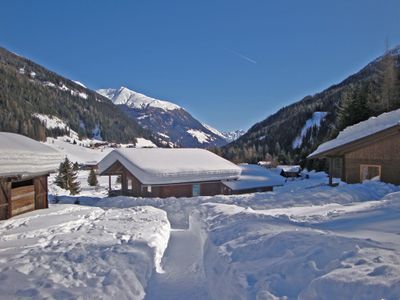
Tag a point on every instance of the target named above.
point(25, 165)
point(365, 151)
point(157, 172)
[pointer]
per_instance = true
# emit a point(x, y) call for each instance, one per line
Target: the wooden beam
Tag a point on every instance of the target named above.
point(330, 170)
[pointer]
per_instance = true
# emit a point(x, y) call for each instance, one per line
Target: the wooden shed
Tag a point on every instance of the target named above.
point(253, 179)
point(365, 151)
point(156, 172)
point(24, 167)
point(289, 171)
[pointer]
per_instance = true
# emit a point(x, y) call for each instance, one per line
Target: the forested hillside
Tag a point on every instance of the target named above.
point(27, 88)
point(290, 135)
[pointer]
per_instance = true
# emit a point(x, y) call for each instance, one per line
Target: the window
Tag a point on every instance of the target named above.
point(370, 172)
point(130, 184)
point(146, 189)
point(196, 189)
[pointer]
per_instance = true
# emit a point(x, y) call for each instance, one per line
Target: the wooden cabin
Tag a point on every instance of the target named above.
point(25, 165)
point(253, 179)
point(369, 150)
point(158, 172)
point(289, 171)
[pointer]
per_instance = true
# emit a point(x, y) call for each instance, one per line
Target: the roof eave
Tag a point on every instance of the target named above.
point(337, 151)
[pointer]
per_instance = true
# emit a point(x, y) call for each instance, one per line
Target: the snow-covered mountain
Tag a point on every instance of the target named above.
point(171, 123)
point(231, 136)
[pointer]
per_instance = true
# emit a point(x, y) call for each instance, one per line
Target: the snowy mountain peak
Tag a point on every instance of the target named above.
point(229, 136)
point(395, 50)
point(125, 96)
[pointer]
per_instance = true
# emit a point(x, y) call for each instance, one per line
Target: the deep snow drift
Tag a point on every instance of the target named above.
point(72, 251)
point(304, 240)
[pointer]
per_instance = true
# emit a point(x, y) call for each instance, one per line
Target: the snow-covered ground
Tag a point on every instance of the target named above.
point(81, 252)
point(304, 240)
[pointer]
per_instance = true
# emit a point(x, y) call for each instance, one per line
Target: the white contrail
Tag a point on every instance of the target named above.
point(242, 56)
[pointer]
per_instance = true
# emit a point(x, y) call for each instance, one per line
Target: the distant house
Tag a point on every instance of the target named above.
point(24, 167)
point(289, 171)
point(367, 150)
point(157, 172)
point(266, 164)
point(253, 178)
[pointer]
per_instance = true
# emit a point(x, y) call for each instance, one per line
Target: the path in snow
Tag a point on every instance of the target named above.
point(183, 265)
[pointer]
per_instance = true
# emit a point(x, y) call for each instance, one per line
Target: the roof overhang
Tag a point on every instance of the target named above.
point(357, 144)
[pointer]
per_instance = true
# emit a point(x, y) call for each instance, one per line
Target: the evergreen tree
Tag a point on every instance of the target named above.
point(61, 178)
point(74, 185)
point(92, 179)
point(75, 166)
point(67, 177)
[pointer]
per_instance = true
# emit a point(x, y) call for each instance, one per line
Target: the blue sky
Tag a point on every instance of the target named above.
point(229, 63)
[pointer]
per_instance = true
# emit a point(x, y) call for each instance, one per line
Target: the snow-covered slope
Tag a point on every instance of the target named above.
point(314, 121)
point(229, 136)
point(172, 124)
point(125, 96)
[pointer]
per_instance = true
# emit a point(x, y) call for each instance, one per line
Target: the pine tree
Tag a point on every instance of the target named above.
point(74, 185)
point(92, 178)
point(67, 177)
point(75, 166)
point(61, 179)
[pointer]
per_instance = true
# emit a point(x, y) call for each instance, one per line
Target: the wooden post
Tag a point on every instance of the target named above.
point(330, 171)
point(109, 183)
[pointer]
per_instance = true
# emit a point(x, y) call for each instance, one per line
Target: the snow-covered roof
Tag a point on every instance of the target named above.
point(360, 130)
point(167, 166)
point(23, 156)
point(254, 176)
point(289, 168)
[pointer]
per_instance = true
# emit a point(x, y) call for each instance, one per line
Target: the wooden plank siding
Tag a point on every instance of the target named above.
point(21, 196)
point(5, 198)
point(22, 199)
point(132, 186)
point(386, 154)
point(41, 195)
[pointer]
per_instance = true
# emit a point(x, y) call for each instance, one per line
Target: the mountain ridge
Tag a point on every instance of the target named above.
point(173, 125)
point(28, 89)
point(369, 92)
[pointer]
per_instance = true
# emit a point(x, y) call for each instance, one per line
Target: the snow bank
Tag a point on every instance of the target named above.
point(20, 155)
point(305, 240)
point(361, 130)
point(266, 255)
point(71, 251)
